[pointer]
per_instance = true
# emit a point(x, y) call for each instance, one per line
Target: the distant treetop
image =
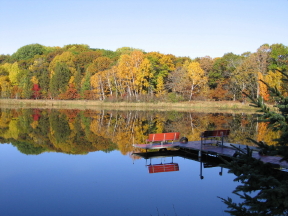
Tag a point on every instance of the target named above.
point(29, 51)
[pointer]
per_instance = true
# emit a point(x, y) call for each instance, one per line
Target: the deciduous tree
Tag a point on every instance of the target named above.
point(28, 51)
point(196, 77)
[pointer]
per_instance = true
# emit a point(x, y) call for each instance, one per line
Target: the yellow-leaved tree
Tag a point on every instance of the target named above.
point(13, 71)
point(99, 84)
point(196, 77)
point(143, 77)
point(129, 74)
point(274, 79)
point(124, 74)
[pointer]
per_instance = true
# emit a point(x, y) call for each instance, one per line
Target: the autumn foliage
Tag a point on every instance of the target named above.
point(80, 132)
point(77, 71)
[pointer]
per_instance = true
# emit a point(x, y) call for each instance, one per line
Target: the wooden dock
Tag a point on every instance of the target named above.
point(228, 151)
point(214, 148)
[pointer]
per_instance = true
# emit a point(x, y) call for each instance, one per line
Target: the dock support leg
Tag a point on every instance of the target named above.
point(221, 172)
point(200, 152)
point(201, 167)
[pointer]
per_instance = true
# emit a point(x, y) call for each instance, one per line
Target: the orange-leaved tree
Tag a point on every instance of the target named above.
point(263, 90)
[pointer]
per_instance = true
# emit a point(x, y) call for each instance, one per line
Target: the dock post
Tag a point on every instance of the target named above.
point(200, 152)
point(221, 172)
point(201, 165)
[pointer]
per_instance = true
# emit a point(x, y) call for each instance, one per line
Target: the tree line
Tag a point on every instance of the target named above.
point(77, 71)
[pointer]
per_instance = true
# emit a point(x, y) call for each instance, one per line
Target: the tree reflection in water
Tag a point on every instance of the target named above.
point(81, 131)
point(263, 189)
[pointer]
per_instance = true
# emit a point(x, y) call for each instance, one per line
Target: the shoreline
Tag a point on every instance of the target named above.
point(197, 106)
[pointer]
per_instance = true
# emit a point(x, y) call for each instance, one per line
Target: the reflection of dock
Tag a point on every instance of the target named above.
point(160, 167)
point(208, 161)
point(212, 148)
point(205, 162)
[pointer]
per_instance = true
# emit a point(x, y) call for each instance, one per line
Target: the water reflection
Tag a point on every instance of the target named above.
point(99, 132)
point(261, 189)
point(163, 166)
point(106, 184)
point(34, 131)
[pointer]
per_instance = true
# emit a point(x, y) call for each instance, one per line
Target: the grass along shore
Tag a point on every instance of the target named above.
point(197, 106)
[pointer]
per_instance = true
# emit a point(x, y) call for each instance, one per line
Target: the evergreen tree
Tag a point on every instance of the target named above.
point(86, 83)
point(44, 82)
point(59, 81)
point(53, 88)
point(277, 117)
point(263, 188)
point(77, 79)
point(25, 83)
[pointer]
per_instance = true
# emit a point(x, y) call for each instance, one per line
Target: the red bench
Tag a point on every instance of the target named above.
point(214, 134)
point(163, 137)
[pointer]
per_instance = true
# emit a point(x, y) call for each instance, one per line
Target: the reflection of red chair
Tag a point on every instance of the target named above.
point(169, 167)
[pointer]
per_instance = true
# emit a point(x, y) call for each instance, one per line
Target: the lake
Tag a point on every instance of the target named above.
point(71, 162)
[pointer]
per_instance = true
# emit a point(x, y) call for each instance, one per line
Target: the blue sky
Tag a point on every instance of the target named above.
point(182, 28)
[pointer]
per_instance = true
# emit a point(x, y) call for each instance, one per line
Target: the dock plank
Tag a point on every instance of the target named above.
point(228, 151)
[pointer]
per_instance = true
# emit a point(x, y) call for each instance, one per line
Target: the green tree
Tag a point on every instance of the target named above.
point(76, 48)
point(4, 58)
point(59, 81)
point(127, 50)
point(86, 86)
point(28, 51)
point(26, 84)
point(114, 56)
point(84, 59)
point(44, 83)
point(277, 55)
point(77, 79)
point(161, 66)
point(53, 87)
point(222, 68)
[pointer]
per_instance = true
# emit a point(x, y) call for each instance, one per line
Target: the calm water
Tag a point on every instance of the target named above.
point(72, 162)
point(107, 184)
